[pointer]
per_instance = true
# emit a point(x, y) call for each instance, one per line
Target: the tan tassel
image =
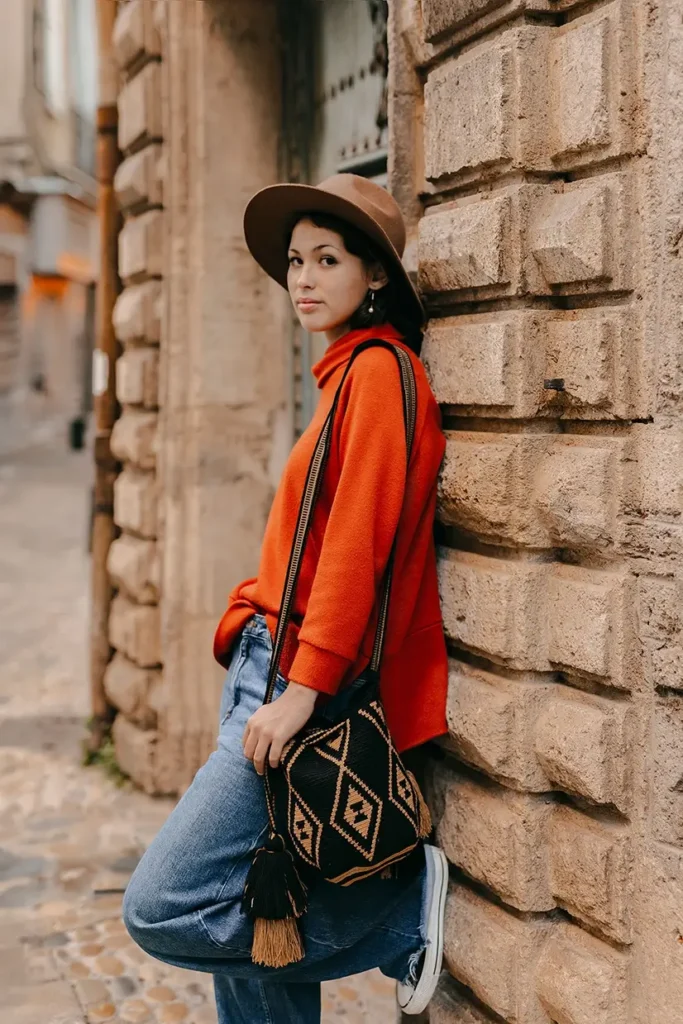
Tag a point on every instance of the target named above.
point(276, 943)
point(424, 817)
point(386, 873)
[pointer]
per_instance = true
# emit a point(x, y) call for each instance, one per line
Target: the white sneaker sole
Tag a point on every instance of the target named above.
point(414, 999)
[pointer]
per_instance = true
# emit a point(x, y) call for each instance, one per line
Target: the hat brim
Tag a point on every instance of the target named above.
point(271, 213)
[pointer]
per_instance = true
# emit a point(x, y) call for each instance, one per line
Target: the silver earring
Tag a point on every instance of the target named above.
point(371, 308)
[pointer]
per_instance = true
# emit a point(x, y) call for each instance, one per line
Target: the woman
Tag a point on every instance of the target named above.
point(337, 249)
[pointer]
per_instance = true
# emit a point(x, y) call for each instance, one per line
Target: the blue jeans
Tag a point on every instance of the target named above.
point(182, 904)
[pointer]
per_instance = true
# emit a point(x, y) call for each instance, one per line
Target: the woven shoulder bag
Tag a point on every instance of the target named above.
point(341, 803)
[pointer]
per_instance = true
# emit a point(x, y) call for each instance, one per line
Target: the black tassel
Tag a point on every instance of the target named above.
point(274, 896)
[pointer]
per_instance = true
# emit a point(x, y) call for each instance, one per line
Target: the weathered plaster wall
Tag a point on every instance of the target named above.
point(536, 149)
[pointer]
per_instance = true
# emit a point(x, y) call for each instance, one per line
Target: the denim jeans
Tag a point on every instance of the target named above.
point(182, 904)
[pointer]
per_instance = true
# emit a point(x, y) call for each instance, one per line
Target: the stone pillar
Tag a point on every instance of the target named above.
point(549, 175)
point(223, 357)
point(133, 681)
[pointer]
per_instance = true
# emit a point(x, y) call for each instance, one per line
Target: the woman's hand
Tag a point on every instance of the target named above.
point(274, 724)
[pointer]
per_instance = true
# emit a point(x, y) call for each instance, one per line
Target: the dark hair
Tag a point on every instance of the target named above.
point(389, 302)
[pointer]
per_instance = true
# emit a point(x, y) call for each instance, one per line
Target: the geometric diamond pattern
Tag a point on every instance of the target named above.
point(304, 828)
point(401, 792)
point(365, 819)
point(357, 813)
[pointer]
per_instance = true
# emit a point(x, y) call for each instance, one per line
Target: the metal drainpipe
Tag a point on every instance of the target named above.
point(105, 409)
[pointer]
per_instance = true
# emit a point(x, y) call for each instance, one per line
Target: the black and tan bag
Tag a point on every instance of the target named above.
point(341, 803)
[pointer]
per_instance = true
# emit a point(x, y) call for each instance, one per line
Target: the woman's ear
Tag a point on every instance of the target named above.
point(377, 278)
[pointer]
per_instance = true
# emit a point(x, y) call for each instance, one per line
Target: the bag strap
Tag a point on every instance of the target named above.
point(311, 490)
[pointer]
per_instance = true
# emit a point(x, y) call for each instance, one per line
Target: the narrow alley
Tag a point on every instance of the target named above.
point(70, 835)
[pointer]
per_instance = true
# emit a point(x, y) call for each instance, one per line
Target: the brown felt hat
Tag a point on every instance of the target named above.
point(272, 212)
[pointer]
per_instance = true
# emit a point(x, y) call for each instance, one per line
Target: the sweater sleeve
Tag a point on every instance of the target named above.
point(362, 522)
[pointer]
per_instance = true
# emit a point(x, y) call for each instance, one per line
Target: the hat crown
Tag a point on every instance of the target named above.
point(374, 200)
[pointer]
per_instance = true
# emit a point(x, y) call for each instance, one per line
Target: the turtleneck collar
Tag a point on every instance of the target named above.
point(339, 352)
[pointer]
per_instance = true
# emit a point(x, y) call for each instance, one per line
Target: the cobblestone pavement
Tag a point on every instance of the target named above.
point(69, 837)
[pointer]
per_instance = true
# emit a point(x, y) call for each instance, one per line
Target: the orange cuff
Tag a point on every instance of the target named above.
point(320, 669)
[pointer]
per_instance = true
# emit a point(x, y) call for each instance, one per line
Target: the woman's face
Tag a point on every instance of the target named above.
point(326, 282)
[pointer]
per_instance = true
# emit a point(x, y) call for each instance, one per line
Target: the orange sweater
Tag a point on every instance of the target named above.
point(332, 628)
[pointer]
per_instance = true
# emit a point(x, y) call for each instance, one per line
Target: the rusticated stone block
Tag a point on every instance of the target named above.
point(137, 313)
point(582, 743)
point(587, 618)
point(659, 979)
point(135, 35)
point(140, 109)
point(492, 722)
point(137, 377)
point(597, 354)
point(462, 19)
point(131, 690)
point(450, 1006)
point(580, 239)
point(581, 354)
point(467, 247)
point(592, 59)
point(581, 980)
point(570, 243)
point(535, 490)
point(498, 838)
point(582, 64)
point(133, 564)
point(486, 109)
point(668, 770)
point(487, 361)
point(537, 737)
point(135, 630)
point(469, 120)
point(477, 484)
point(660, 618)
point(442, 15)
point(495, 954)
point(654, 483)
point(135, 752)
point(591, 871)
point(495, 606)
point(573, 492)
point(474, 245)
point(134, 438)
point(495, 364)
point(139, 180)
point(141, 247)
point(136, 502)
point(467, 363)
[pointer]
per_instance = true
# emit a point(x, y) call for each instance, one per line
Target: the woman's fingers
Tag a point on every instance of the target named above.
point(261, 753)
point(272, 725)
point(249, 740)
point(275, 751)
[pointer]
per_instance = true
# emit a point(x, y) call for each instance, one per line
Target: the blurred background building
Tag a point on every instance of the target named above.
point(48, 225)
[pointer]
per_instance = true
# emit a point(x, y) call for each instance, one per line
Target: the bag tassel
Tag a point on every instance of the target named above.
point(424, 817)
point(274, 897)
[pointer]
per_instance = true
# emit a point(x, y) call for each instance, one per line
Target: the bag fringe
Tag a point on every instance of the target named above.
point(274, 896)
point(276, 943)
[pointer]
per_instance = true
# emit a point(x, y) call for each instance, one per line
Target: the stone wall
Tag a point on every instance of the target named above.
point(133, 680)
point(204, 428)
point(536, 150)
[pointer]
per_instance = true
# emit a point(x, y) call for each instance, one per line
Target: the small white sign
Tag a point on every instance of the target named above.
point(100, 372)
